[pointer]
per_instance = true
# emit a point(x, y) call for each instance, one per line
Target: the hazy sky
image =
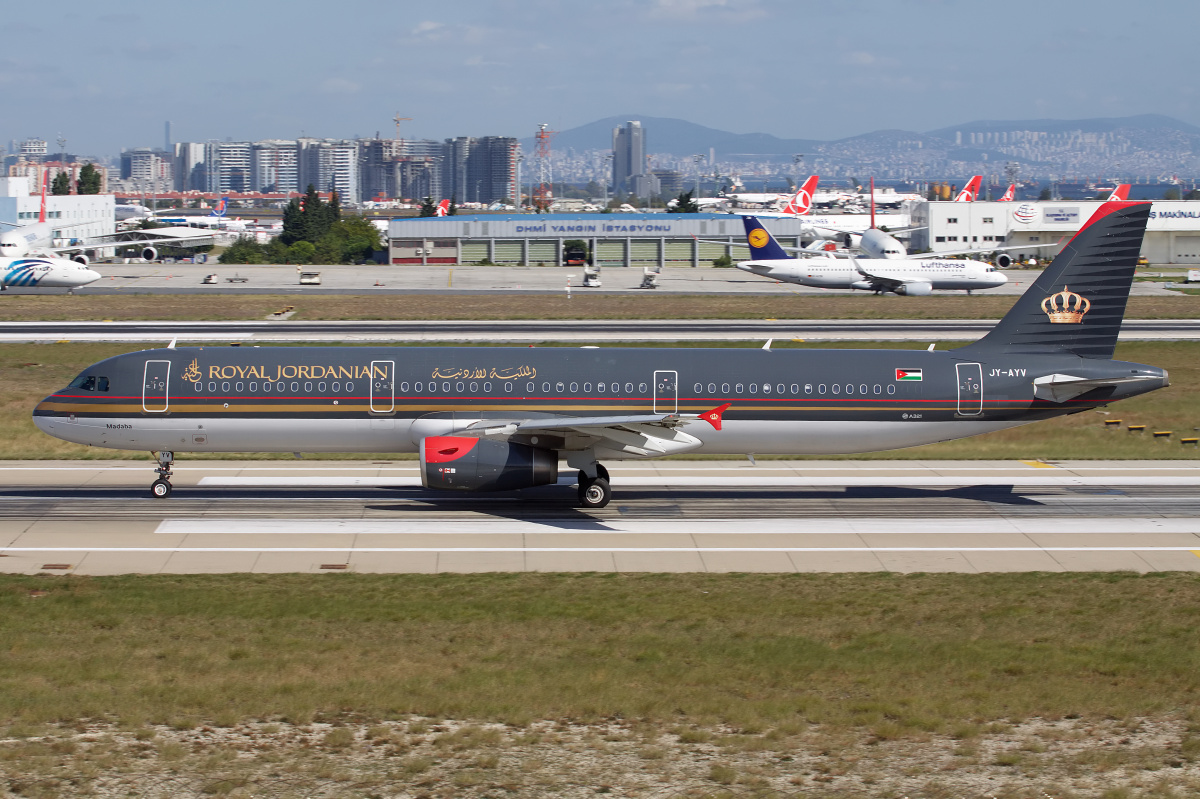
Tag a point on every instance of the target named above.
point(107, 75)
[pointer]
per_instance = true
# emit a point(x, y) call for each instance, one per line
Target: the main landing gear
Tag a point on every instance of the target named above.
point(161, 488)
point(594, 492)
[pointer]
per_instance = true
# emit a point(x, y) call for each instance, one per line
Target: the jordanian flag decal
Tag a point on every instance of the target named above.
point(908, 374)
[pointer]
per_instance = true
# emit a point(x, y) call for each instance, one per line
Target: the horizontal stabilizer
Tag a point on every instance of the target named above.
point(1060, 388)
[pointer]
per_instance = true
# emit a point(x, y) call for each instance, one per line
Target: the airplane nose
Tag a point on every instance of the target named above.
point(91, 275)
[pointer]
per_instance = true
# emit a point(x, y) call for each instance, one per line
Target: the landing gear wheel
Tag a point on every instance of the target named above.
point(160, 488)
point(602, 472)
point(594, 493)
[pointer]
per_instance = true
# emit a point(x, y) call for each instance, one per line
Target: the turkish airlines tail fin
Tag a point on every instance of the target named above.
point(763, 246)
point(443, 208)
point(970, 191)
point(1121, 192)
point(42, 213)
point(801, 201)
point(1078, 302)
point(1010, 194)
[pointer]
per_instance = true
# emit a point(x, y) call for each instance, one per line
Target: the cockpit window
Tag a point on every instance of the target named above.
point(87, 382)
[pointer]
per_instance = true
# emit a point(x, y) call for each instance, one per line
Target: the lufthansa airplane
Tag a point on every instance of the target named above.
point(487, 418)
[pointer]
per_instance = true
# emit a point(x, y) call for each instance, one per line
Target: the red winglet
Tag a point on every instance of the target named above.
point(713, 417)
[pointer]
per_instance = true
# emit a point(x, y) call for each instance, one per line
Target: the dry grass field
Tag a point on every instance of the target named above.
point(1079, 685)
point(123, 307)
point(31, 372)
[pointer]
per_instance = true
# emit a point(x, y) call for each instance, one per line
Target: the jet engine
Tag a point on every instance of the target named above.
point(460, 463)
point(149, 254)
point(914, 289)
point(1004, 260)
point(81, 258)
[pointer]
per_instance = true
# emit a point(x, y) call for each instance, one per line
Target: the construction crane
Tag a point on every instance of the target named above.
point(398, 119)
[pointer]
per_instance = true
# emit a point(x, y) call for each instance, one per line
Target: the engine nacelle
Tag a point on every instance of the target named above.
point(1004, 260)
point(460, 463)
point(914, 289)
point(80, 258)
point(149, 254)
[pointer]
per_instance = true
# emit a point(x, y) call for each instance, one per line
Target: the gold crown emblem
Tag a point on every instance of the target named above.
point(1066, 307)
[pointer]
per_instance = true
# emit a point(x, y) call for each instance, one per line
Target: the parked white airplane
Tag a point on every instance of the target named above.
point(44, 273)
point(891, 274)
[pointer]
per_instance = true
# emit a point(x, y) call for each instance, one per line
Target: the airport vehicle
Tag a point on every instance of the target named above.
point(887, 266)
point(494, 419)
point(37, 272)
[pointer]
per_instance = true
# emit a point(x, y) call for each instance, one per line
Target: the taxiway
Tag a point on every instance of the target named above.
point(720, 516)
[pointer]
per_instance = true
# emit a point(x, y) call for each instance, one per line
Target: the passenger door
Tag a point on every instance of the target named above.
point(155, 379)
point(383, 386)
point(666, 392)
point(970, 389)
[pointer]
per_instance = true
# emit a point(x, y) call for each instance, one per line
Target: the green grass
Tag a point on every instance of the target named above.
point(900, 654)
point(30, 372)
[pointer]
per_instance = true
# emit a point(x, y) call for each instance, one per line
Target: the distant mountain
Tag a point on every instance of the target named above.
point(1144, 122)
point(676, 136)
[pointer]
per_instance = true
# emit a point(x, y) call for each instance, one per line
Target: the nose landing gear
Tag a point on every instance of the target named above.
point(161, 488)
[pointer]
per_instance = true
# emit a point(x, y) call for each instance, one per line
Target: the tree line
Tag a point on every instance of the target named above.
point(314, 232)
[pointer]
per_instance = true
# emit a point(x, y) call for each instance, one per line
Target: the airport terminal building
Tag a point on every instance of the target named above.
point(642, 240)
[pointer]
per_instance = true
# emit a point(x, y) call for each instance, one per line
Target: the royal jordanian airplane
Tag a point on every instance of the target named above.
point(495, 419)
point(886, 267)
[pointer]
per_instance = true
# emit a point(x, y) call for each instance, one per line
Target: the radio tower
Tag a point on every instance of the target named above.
point(544, 194)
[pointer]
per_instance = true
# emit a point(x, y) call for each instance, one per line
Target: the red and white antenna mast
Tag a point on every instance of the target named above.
point(544, 194)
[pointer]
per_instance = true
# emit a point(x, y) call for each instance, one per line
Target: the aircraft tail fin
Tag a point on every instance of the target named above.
point(1010, 194)
point(763, 246)
point(42, 213)
point(1121, 192)
point(1078, 303)
point(970, 191)
point(443, 208)
point(801, 201)
point(220, 208)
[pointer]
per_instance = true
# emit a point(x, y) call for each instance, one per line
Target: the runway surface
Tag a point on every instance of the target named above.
point(140, 278)
point(531, 331)
point(718, 516)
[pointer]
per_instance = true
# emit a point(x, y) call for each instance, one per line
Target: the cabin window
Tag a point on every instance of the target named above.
point(724, 388)
point(699, 387)
point(795, 388)
point(212, 388)
point(266, 388)
point(587, 388)
point(808, 388)
point(279, 387)
point(712, 388)
point(862, 389)
point(199, 387)
point(459, 387)
point(837, 388)
point(891, 389)
point(474, 388)
point(766, 388)
point(508, 387)
point(295, 387)
point(779, 388)
point(530, 387)
point(446, 387)
point(616, 389)
point(350, 386)
point(321, 387)
point(754, 388)
point(238, 388)
point(738, 388)
point(821, 389)
point(877, 388)
point(559, 387)
point(307, 387)
point(545, 388)
point(574, 388)
point(487, 388)
point(254, 388)
point(225, 387)
point(403, 387)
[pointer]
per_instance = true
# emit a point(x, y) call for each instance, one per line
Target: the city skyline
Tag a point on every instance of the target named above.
point(796, 70)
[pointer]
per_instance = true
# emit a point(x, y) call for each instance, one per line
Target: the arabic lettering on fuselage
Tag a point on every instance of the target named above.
point(477, 372)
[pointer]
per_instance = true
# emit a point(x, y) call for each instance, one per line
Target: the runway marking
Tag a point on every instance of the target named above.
point(796, 481)
point(353, 550)
point(1039, 464)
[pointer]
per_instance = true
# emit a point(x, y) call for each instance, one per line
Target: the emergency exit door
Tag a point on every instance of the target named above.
point(154, 386)
point(970, 389)
point(666, 392)
point(383, 386)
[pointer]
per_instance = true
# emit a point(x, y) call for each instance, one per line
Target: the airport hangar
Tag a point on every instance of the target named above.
point(644, 240)
point(87, 214)
point(1172, 234)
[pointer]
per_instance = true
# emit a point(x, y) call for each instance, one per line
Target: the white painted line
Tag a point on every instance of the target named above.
point(1031, 477)
point(353, 550)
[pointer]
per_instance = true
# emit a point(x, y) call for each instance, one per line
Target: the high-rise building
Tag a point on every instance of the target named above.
point(480, 170)
point(188, 168)
point(227, 166)
point(148, 168)
point(629, 155)
point(276, 166)
point(330, 165)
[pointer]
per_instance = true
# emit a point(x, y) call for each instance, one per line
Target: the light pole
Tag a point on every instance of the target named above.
point(608, 159)
point(697, 159)
point(797, 160)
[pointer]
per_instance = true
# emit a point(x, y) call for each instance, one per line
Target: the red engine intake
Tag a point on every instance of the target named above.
point(458, 463)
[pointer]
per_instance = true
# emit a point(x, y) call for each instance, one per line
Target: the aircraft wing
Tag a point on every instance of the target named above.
point(641, 434)
point(168, 237)
point(880, 281)
point(977, 251)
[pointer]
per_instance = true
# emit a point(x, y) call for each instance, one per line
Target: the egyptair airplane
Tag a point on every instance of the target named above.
point(44, 273)
point(494, 419)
